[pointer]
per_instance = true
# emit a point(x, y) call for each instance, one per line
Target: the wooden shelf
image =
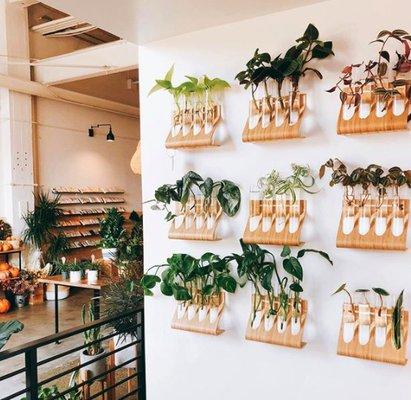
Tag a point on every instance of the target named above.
point(93, 202)
point(14, 251)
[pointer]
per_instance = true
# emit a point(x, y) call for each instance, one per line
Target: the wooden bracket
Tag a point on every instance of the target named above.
point(194, 128)
point(362, 322)
point(372, 123)
point(263, 331)
point(269, 215)
point(200, 317)
point(368, 214)
point(195, 222)
point(271, 119)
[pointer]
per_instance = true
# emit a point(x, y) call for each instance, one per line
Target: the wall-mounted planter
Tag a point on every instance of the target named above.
point(366, 331)
point(194, 222)
point(366, 225)
point(373, 114)
point(194, 317)
point(276, 222)
point(273, 329)
point(272, 119)
point(194, 127)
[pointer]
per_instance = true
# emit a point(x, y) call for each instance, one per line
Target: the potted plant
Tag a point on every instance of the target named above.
point(94, 349)
point(20, 288)
point(226, 193)
point(75, 271)
point(111, 231)
point(119, 298)
point(92, 270)
point(258, 266)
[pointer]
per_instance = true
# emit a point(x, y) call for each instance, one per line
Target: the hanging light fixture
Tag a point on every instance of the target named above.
point(110, 135)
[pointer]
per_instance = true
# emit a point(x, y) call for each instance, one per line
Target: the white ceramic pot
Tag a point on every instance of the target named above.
point(62, 292)
point(126, 354)
point(92, 276)
point(75, 276)
point(109, 254)
point(96, 368)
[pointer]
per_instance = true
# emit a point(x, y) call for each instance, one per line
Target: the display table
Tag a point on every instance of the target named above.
point(58, 280)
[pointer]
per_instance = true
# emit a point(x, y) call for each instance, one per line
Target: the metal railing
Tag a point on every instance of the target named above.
point(132, 385)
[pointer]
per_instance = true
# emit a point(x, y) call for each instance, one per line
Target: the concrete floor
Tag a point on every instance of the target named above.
point(38, 323)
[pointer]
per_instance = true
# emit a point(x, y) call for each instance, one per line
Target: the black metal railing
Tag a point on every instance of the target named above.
point(25, 365)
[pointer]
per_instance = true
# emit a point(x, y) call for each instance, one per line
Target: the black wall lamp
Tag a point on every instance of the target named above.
point(110, 134)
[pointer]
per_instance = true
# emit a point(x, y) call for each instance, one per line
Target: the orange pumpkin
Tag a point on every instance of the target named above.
point(4, 306)
point(14, 272)
point(4, 266)
point(4, 275)
point(7, 247)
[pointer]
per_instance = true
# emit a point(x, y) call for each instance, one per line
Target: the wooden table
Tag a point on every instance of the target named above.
point(57, 280)
point(6, 254)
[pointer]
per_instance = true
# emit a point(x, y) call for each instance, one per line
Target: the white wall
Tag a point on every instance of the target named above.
point(68, 157)
point(184, 365)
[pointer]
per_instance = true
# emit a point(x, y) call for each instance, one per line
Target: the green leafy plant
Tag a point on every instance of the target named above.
point(374, 72)
point(187, 278)
point(291, 67)
point(5, 230)
point(131, 243)
point(111, 229)
point(381, 294)
point(258, 266)
point(343, 288)
point(7, 329)
point(226, 192)
point(92, 337)
point(300, 179)
point(40, 228)
point(396, 322)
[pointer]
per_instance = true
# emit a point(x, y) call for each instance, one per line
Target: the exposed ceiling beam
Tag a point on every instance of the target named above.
point(37, 89)
point(56, 25)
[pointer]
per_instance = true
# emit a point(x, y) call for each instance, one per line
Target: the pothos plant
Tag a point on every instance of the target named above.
point(258, 266)
point(226, 192)
point(187, 278)
point(300, 179)
point(291, 67)
point(356, 77)
point(396, 311)
point(192, 86)
point(371, 176)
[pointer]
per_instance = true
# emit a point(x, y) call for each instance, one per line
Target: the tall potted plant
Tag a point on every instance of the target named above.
point(111, 231)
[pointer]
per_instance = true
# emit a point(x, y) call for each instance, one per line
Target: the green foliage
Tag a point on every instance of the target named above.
point(130, 248)
point(111, 229)
point(93, 334)
point(261, 68)
point(300, 179)
point(396, 322)
point(5, 230)
point(227, 193)
point(185, 277)
point(7, 329)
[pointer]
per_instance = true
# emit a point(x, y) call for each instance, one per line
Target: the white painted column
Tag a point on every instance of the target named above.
point(16, 142)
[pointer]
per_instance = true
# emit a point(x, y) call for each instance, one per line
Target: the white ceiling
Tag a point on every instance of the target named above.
point(143, 21)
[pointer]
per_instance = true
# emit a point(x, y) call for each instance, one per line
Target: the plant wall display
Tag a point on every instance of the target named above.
point(374, 216)
point(373, 331)
point(196, 205)
point(276, 211)
point(196, 112)
point(278, 313)
point(275, 114)
point(375, 95)
point(198, 285)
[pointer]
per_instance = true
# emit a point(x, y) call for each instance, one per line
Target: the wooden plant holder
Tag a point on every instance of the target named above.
point(206, 326)
point(373, 123)
point(273, 336)
point(371, 240)
point(192, 139)
point(37, 296)
point(369, 351)
point(273, 132)
point(188, 229)
point(269, 208)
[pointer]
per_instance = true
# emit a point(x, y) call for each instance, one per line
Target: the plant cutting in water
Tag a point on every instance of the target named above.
point(258, 266)
point(375, 72)
point(226, 192)
point(300, 179)
point(294, 65)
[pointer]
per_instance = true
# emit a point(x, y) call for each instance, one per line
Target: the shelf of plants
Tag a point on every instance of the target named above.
point(378, 100)
point(276, 212)
point(377, 218)
point(197, 205)
point(377, 333)
point(278, 116)
point(196, 110)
